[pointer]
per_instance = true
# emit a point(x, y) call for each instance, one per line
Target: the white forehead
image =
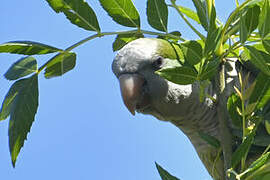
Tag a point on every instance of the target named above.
point(142, 48)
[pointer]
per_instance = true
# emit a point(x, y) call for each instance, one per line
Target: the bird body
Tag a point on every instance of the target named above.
point(146, 92)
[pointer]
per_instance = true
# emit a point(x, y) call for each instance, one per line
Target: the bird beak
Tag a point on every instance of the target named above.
point(131, 87)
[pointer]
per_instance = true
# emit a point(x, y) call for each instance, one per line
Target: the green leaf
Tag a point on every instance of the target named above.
point(264, 27)
point(179, 75)
point(252, 18)
point(157, 14)
point(78, 12)
point(243, 29)
point(210, 139)
point(60, 64)
point(266, 45)
point(267, 125)
point(164, 174)
point(27, 48)
point(189, 13)
point(122, 12)
point(122, 39)
point(262, 173)
point(261, 92)
point(22, 113)
point(258, 163)
point(209, 70)
point(202, 12)
point(243, 149)
point(233, 102)
point(192, 51)
point(259, 59)
point(21, 68)
point(212, 40)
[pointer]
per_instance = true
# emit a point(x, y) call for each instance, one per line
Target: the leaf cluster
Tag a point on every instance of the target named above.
point(245, 36)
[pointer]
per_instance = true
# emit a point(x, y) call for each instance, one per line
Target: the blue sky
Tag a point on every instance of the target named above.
point(82, 129)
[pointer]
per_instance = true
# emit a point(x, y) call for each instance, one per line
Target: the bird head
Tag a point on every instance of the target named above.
point(143, 90)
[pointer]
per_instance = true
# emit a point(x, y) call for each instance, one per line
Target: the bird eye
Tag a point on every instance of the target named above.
point(158, 62)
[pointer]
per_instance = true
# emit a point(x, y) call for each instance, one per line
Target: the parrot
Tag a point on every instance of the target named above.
point(144, 91)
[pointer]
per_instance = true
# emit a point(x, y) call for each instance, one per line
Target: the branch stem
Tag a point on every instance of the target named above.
point(107, 34)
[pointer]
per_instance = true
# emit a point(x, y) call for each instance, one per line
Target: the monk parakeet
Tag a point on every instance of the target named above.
point(146, 92)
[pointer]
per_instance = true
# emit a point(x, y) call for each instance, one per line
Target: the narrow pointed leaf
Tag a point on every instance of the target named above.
point(192, 51)
point(60, 64)
point(264, 27)
point(266, 45)
point(22, 113)
point(261, 92)
point(212, 40)
point(259, 59)
point(179, 75)
point(189, 13)
point(234, 102)
point(78, 12)
point(258, 163)
point(210, 139)
point(157, 14)
point(122, 11)
point(21, 68)
point(27, 48)
point(242, 150)
point(122, 39)
point(202, 12)
point(252, 18)
point(243, 29)
point(209, 70)
point(164, 174)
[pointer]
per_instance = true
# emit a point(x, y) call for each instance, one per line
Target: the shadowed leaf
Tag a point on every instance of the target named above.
point(21, 68)
point(202, 12)
point(192, 51)
point(264, 27)
point(122, 39)
point(259, 59)
point(157, 14)
point(164, 174)
point(233, 102)
point(60, 64)
point(179, 75)
point(78, 12)
point(27, 48)
point(122, 12)
point(210, 139)
point(23, 108)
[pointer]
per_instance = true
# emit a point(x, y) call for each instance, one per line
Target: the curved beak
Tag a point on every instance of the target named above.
point(131, 90)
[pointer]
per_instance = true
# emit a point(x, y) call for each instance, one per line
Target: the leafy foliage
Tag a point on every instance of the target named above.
point(244, 36)
point(78, 12)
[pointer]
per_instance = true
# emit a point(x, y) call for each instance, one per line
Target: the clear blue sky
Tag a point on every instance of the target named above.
point(82, 129)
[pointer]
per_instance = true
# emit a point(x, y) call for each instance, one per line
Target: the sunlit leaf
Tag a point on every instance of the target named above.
point(189, 13)
point(21, 68)
point(27, 48)
point(60, 64)
point(122, 39)
point(122, 12)
point(179, 75)
point(164, 174)
point(22, 114)
point(264, 27)
point(258, 163)
point(78, 12)
point(157, 14)
point(192, 51)
point(212, 40)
